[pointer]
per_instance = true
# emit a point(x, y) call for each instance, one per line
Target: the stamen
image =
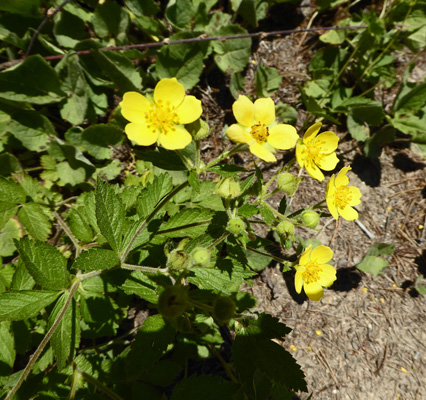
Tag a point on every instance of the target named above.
point(342, 196)
point(260, 133)
point(162, 117)
point(311, 273)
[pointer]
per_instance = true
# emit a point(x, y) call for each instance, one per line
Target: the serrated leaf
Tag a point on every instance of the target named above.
point(225, 278)
point(267, 214)
point(164, 159)
point(79, 224)
point(151, 340)
point(373, 265)
point(411, 101)
point(204, 387)
point(67, 335)
point(194, 181)
point(190, 222)
point(8, 233)
point(70, 175)
point(19, 305)
point(110, 214)
point(153, 193)
point(7, 348)
point(140, 285)
point(11, 192)
point(45, 263)
point(33, 217)
point(96, 259)
point(22, 280)
point(18, 84)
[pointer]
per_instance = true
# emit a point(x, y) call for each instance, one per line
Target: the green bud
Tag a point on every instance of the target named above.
point(173, 301)
point(199, 129)
point(178, 259)
point(236, 225)
point(223, 309)
point(311, 219)
point(288, 183)
point(228, 188)
point(285, 229)
point(201, 256)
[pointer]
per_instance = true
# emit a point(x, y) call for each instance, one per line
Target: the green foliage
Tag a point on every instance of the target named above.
point(372, 262)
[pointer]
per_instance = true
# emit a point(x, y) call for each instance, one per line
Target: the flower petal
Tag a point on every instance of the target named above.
point(322, 254)
point(169, 91)
point(314, 171)
point(283, 136)
point(300, 147)
point(341, 178)
point(298, 281)
point(314, 291)
point(140, 134)
point(262, 152)
point(239, 134)
point(327, 162)
point(355, 193)
point(328, 141)
point(243, 110)
point(264, 111)
point(190, 110)
point(133, 107)
point(306, 256)
point(348, 213)
point(327, 275)
point(177, 139)
point(332, 206)
point(312, 132)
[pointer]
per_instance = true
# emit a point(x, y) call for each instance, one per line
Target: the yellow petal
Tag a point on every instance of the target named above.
point(314, 171)
point(283, 136)
point(322, 254)
point(190, 110)
point(327, 275)
point(306, 256)
point(175, 139)
point(300, 147)
point(140, 134)
point(312, 132)
point(169, 91)
point(341, 178)
point(328, 141)
point(348, 213)
point(313, 291)
point(264, 111)
point(328, 162)
point(298, 281)
point(262, 152)
point(243, 110)
point(332, 206)
point(133, 106)
point(355, 193)
point(239, 134)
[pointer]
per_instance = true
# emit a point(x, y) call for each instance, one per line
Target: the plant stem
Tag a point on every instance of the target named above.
point(159, 206)
point(141, 268)
point(277, 259)
point(225, 154)
point(111, 394)
point(223, 362)
point(217, 241)
point(67, 230)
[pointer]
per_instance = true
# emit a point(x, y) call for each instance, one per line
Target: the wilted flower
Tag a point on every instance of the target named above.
point(257, 128)
point(317, 152)
point(161, 118)
point(313, 273)
point(340, 197)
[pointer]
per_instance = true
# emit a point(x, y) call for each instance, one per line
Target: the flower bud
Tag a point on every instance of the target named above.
point(173, 301)
point(201, 256)
point(223, 309)
point(228, 188)
point(178, 259)
point(288, 183)
point(199, 129)
point(285, 229)
point(311, 219)
point(236, 225)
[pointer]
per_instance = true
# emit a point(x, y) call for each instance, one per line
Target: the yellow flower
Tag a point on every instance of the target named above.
point(340, 197)
point(313, 273)
point(257, 128)
point(314, 152)
point(162, 118)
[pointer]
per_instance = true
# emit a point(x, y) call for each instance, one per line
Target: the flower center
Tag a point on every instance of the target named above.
point(161, 117)
point(311, 273)
point(342, 196)
point(260, 133)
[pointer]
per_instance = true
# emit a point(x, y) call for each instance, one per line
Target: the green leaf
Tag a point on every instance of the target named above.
point(110, 214)
point(31, 128)
point(79, 225)
point(96, 259)
point(190, 222)
point(24, 304)
point(180, 13)
point(152, 341)
point(142, 7)
point(164, 159)
point(29, 8)
point(111, 20)
point(7, 348)
point(267, 79)
point(373, 265)
point(11, 192)
point(381, 249)
point(236, 85)
point(34, 219)
point(232, 55)
point(45, 263)
point(286, 114)
point(267, 214)
point(140, 285)
point(164, 373)
point(18, 84)
point(10, 232)
point(247, 10)
point(153, 193)
point(69, 29)
point(225, 278)
point(97, 140)
point(333, 37)
point(204, 387)
point(67, 335)
point(22, 280)
point(411, 101)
